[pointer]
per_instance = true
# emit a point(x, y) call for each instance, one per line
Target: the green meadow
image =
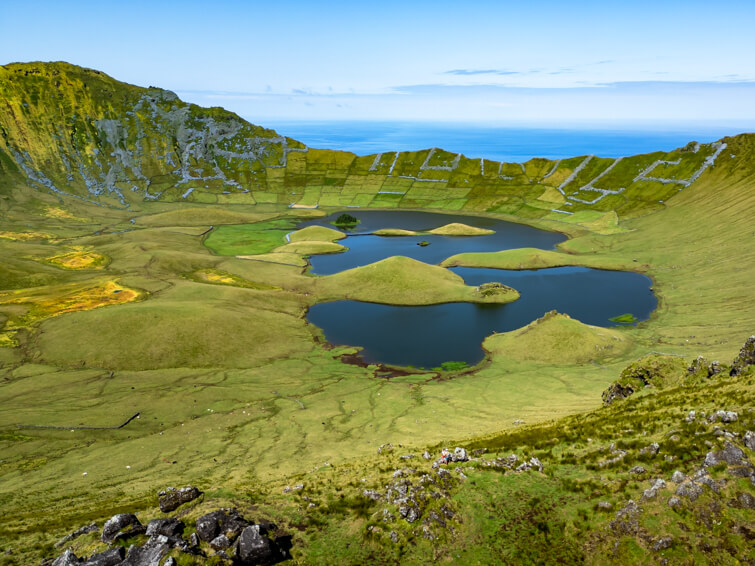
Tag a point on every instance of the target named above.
point(191, 312)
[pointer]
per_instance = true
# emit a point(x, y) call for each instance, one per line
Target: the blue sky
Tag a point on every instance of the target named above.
point(538, 62)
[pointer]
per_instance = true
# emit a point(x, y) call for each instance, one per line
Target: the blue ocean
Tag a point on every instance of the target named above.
point(496, 143)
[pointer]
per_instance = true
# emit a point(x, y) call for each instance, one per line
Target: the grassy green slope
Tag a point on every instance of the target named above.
point(66, 129)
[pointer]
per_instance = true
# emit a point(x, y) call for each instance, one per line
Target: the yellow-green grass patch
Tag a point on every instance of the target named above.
point(79, 259)
point(310, 248)
point(552, 195)
point(403, 281)
point(394, 232)
point(534, 258)
point(249, 239)
point(316, 234)
point(46, 302)
point(205, 216)
point(293, 259)
point(24, 236)
point(559, 340)
point(192, 325)
point(458, 229)
point(220, 277)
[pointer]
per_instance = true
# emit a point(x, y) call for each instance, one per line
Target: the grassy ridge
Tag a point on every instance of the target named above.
point(131, 144)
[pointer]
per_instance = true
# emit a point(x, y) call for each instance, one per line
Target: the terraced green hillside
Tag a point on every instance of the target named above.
point(76, 131)
point(120, 294)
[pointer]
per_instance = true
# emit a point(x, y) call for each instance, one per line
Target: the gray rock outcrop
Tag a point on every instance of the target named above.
point(616, 392)
point(745, 358)
point(151, 554)
point(689, 489)
point(652, 492)
point(255, 548)
point(166, 527)
point(68, 558)
point(121, 525)
point(227, 522)
point(111, 557)
point(171, 499)
point(749, 439)
point(731, 454)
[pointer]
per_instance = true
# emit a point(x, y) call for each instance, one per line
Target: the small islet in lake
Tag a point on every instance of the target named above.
point(428, 336)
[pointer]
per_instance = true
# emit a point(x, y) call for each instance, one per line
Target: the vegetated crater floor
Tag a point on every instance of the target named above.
point(453, 331)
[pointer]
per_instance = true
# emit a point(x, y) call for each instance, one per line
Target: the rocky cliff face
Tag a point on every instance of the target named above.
point(77, 131)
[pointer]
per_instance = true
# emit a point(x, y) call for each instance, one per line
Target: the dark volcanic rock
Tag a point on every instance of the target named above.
point(255, 548)
point(171, 499)
point(627, 519)
point(168, 527)
point(615, 392)
point(148, 555)
point(732, 455)
point(662, 544)
point(715, 368)
point(68, 558)
point(745, 358)
point(746, 501)
point(111, 557)
point(689, 489)
point(227, 522)
point(123, 524)
point(220, 542)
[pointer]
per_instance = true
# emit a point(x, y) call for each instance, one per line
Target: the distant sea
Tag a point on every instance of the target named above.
point(495, 143)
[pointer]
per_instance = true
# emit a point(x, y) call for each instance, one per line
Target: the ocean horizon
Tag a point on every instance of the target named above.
point(498, 143)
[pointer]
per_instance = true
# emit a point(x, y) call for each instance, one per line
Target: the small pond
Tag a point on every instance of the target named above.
point(427, 336)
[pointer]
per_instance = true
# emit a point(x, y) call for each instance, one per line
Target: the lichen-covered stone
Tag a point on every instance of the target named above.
point(745, 358)
point(168, 527)
point(119, 525)
point(171, 499)
point(111, 557)
point(255, 548)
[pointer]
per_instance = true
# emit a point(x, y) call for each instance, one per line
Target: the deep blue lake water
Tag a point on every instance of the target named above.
point(427, 336)
point(365, 248)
